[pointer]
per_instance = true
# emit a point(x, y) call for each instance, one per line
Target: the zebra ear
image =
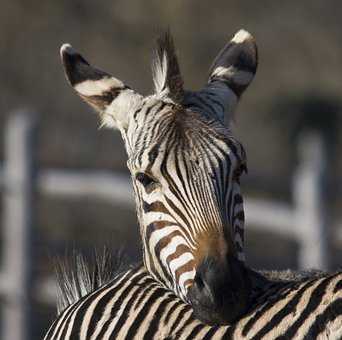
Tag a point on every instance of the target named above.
point(167, 78)
point(233, 70)
point(108, 95)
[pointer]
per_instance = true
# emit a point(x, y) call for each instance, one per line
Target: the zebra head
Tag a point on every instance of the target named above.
point(185, 165)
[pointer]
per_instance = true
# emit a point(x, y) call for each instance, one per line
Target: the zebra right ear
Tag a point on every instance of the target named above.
point(108, 95)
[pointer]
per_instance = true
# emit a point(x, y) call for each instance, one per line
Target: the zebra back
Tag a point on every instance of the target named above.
point(135, 306)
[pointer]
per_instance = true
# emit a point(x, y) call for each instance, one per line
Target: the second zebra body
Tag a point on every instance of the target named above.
point(135, 306)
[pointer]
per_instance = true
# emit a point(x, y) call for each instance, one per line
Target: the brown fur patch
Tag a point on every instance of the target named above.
point(213, 244)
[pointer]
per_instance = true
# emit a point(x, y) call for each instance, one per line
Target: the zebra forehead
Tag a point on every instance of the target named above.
point(181, 130)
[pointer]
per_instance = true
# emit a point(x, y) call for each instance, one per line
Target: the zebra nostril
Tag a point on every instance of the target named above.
point(199, 281)
point(205, 283)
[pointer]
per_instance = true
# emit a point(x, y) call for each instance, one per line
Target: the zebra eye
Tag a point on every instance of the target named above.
point(147, 181)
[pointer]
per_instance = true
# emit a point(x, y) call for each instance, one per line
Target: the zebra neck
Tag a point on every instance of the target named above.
point(159, 274)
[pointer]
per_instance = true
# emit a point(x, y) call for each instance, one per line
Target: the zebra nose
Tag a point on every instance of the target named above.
point(220, 293)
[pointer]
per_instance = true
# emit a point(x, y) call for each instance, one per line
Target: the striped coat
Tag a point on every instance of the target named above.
point(135, 306)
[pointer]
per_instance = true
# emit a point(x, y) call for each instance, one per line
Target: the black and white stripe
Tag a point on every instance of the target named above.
point(135, 306)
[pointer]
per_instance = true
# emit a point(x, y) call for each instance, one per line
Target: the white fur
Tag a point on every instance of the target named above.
point(160, 73)
point(241, 36)
point(239, 77)
point(122, 106)
point(171, 248)
point(159, 234)
point(180, 261)
point(97, 87)
point(153, 216)
point(186, 277)
point(67, 48)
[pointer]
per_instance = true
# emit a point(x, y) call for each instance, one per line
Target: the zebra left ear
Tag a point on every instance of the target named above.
point(108, 95)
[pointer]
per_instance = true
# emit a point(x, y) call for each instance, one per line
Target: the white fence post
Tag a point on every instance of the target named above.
point(17, 225)
point(309, 191)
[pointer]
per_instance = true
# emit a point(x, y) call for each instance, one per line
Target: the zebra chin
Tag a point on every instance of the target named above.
point(220, 295)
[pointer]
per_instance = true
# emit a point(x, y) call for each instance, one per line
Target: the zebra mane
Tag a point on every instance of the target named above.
point(77, 276)
point(291, 275)
point(165, 68)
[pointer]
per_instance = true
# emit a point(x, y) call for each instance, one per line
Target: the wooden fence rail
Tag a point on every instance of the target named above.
point(20, 178)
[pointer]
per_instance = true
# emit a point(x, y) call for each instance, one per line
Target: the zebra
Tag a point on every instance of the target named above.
point(186, 167)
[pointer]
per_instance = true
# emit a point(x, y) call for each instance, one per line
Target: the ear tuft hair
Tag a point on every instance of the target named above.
point(166, 72)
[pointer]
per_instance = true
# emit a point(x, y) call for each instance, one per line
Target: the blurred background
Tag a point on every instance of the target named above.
point(64, 181)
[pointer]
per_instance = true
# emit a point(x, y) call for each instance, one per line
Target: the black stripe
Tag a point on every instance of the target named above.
point(141, 298)
point(179, 317)
point(173, 187)
point(176, 303)
point(89, 297)
point(154, 324)
point(137, 139)
point(145, 140)
point(269, 303)
point(64, 317)
point(136, 112)
point(179, 213)
point(315, 301)
point(338, 286)
point(187, 322)
point(289, 308)
point(127, 309)
point(211, 333)
point(158, 293)
point(228, 335)
point(101, 304)
point(188, 190)
point(332, 312)
point(240, 216)
point(78, 69)
point(195, 331)
point(179, 154)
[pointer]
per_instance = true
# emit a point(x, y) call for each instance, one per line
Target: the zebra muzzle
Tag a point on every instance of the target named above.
point(220, 293)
